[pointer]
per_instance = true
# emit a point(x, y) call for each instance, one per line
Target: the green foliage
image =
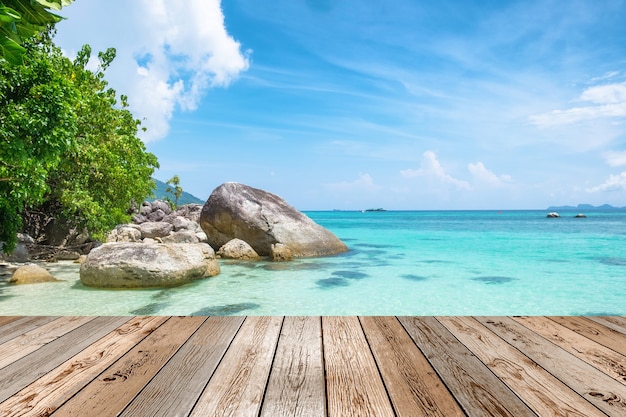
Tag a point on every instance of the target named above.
point(37, 126)
point(20, 20)
point(67, 148)
point(176, 191)
point(109, 168)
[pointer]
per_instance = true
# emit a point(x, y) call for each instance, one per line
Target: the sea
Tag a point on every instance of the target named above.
point(513, 262)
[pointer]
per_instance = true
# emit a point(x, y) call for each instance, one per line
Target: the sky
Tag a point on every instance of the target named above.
point(395, 104)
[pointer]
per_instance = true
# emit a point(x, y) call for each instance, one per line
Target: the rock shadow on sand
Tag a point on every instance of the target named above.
point(413, 277)
point(494, 279)
point(330, 283)
point(350, 274)
point(225, 310)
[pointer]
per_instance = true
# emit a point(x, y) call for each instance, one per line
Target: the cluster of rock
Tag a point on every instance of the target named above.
point(156, 222)
point(164, 247)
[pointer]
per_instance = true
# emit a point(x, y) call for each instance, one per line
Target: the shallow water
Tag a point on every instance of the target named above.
point(399, 263)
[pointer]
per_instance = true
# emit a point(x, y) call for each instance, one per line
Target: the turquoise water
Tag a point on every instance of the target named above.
point(399, 263)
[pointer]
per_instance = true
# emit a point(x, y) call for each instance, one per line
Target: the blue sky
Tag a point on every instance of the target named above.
point(352, 104)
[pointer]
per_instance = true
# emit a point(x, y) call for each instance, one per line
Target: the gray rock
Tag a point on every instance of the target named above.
point(155, 229)
point(66, 255)
point(190, 212)
point(124, 233)
point(134, 265)
point(262, 219)
point(182, 236)
point(156, 216)
point(164, 206)
point(237, 249)
point(146, 208)
point(280, 252)
point(21, 252)
point(202, 237)
point(181, 223)
point(139, 218)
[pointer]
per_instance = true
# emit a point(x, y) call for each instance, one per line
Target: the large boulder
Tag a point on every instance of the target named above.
point(263, 219)
point(31, 274)
point(137, 265)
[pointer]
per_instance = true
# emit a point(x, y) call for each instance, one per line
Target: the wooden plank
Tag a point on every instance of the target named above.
point(413, 385)
point(595, 331)
point(238, 384)
point(7, 319)
point(51, 390)
point(475, 387)
point(616, 323)
point(535, 386)
point(21, 326)
point(353, 384)
point(28, 342)
point(176, 388)
point(603, 358)
point(112, 390)
point(32, 367)
point(296, 386)
point(593, 385)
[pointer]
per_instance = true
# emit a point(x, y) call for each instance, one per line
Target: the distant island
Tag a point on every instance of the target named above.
point(185, 198)
point(588, 207)
point(375, 209)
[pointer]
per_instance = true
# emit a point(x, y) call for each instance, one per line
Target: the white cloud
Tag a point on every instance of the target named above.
point(169, 53)
point(184, 50)
point(364, 182)
point(613, 183)
point(482, 174)
point(615, 158)
point(605, 101)
point(431, 167)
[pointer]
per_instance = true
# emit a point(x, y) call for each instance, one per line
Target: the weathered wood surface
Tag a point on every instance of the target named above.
point(313, 366)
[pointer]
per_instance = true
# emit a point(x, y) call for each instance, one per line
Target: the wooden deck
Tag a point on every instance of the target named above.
point(313, 366)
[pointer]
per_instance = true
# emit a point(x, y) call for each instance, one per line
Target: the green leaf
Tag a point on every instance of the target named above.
point(11, 51)
point(8, 14)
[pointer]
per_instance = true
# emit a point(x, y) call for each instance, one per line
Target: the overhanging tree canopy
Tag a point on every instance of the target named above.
point(20, 20)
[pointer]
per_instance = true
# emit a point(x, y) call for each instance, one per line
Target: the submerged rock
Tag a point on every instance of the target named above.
point(263, 219)
point(31, 274)
point(135, 265)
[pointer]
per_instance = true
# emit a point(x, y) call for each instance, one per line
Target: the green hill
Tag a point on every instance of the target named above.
point(185, 198)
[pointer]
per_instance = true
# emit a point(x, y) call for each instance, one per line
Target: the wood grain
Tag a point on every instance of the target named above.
point(593, 385)
point(476, 388)
point(31, 368)
point(176, 388)
point(534, 385)
point(414, 387)
point(296, 386)
point(28, 342)
point(7, 319)
point(21, 326)
point(616, 323)
point(112, 390)
point(595, 331)
point(238, 384)
point(51, 390)
point(354, 385)
point(603, 358)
